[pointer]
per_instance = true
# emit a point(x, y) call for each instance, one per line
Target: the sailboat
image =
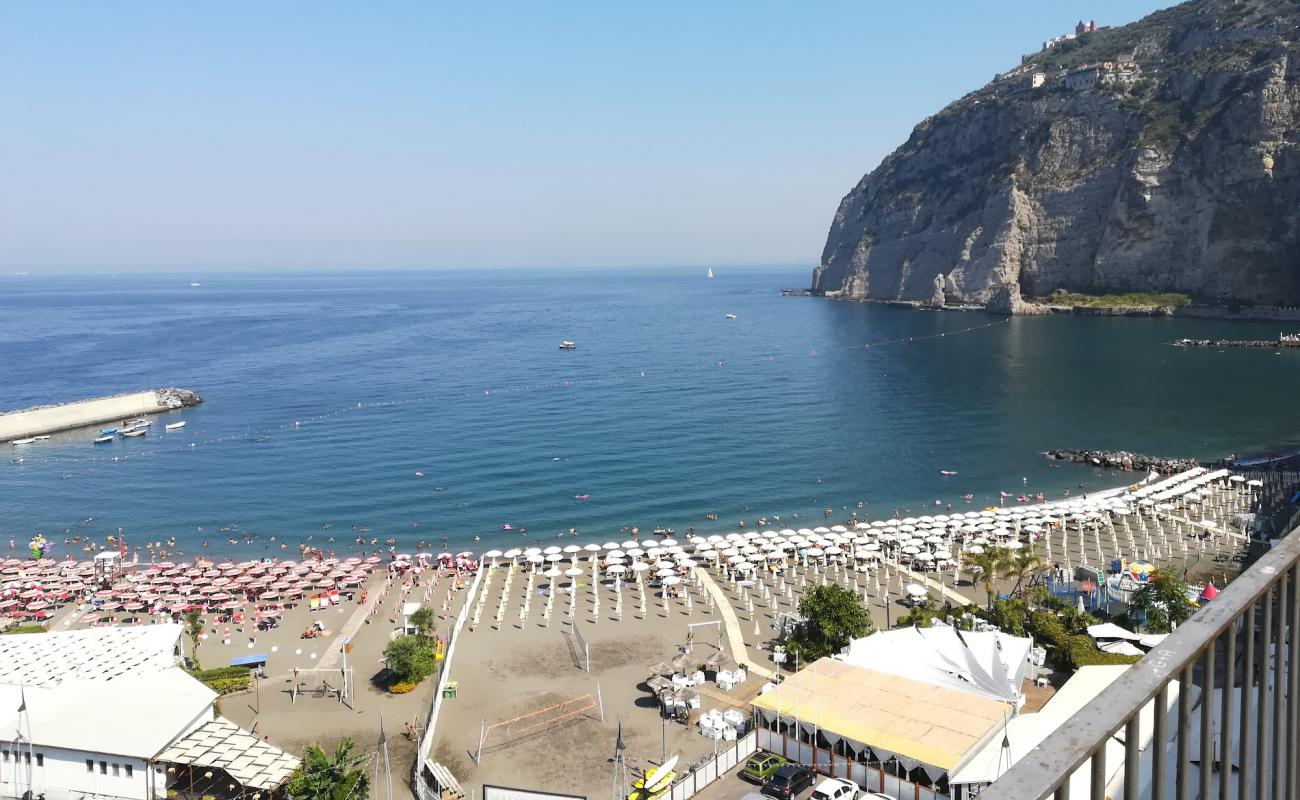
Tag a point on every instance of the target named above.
point(194, 281)
point(710, 275)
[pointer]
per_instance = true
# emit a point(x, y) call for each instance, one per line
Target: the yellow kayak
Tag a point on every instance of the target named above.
point(655, 783)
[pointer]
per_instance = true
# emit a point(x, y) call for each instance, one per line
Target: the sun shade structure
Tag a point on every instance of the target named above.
point(987, 663)
point(226, 746)
point(916, 721)
point(101, 654)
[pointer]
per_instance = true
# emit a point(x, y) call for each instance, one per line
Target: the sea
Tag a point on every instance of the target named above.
point(437, 408)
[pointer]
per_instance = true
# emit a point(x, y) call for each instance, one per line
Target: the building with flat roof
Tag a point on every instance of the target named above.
point(108, 713)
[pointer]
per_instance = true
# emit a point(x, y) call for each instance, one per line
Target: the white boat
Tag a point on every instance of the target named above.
point(134, 432)
point(42, 438)
point(568, 346)
point(731, 316)
point(103, 439)
point(710, 275)
point(194, 281)
point(174, 426)
point(137, 423)
point(28, 440)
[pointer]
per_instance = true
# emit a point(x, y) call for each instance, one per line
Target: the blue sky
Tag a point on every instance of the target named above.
point(207, 136)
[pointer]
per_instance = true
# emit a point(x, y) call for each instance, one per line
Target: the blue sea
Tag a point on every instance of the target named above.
point(327, 393)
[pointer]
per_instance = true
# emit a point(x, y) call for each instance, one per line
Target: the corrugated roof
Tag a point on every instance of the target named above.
point(224, 745)
point(916, 720)
point(48, 659)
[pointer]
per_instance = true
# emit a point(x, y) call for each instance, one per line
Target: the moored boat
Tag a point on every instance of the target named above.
point(172, 426)
point(28, 440)
point(103, 439)
point(568, 346)
point(108, 431)
point(134, 432)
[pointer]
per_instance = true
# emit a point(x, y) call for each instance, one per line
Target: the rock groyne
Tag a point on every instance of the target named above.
point(1122, 459)
point(66, 416)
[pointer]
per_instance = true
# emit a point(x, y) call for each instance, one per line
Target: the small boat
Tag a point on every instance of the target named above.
point(108, 432)
point(656, 782)
point(664, 531)
point(947, 472)
point(507, 527)
point(134, 432)
point(194, 281)
point(28, 440)
point(174, 426)
point(42, 438)
point(581, 496)
point(710, 273)
point(103, 439)
point(568, 346)
point(138, 423)
point(419, 474)
point(731, 316)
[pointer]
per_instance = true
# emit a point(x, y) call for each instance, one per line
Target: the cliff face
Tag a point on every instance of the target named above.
point(1181, 176)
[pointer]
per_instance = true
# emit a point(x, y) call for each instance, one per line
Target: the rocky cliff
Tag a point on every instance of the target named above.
point(1177, 171)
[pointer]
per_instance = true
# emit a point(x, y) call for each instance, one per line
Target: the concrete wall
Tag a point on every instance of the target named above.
point(48, 419)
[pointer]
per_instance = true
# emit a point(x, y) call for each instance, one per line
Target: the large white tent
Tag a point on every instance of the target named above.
point(988, 663)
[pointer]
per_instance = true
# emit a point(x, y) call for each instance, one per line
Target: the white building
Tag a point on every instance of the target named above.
point(108, 713)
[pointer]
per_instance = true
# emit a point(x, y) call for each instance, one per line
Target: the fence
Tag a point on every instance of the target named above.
point(842, 765)
point(419, 785)
point(714, 767)
point(1213, 693)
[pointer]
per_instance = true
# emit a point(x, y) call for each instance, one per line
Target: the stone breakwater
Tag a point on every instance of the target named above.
point(1270, 344)
point(79, 414)
point(1121, 459)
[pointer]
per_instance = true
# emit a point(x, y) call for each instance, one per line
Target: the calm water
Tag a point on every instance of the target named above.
point(666, 412)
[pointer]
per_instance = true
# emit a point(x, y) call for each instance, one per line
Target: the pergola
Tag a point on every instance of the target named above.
point(221, 759)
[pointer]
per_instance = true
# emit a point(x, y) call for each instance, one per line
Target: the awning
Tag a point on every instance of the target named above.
point(224, 745)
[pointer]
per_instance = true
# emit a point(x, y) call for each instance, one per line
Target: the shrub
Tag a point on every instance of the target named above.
point(402, 688)
point(224, 680)
point(410, 658)
point(26, 629)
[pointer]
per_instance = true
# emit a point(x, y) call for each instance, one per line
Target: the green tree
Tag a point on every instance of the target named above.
point(410, 658)
point(423, 621)
point(1163, 598)
point(987, 565)
point(1021, 564)
point(832, 616)
point(341, 776)
point(194, 629)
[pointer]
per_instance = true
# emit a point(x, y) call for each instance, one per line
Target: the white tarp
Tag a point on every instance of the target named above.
point(986, 663)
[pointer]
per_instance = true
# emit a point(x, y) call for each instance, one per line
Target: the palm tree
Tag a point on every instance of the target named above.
point(322, 777)
point(988, 565)
point(1021, 564)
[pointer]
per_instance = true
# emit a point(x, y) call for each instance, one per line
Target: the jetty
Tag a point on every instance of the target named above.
point(1124, 460)
point(82, 413)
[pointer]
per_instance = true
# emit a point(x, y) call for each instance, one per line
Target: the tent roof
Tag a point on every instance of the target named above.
point(1026, 731)
point(246, 758)
point(987, 663)
point(932, 724)
point(136, 715)
point(1109, 630)
point(47, 659)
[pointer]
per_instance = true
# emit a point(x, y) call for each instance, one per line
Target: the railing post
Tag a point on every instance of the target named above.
point(1262, 706)
point(1225, 721)
point(1247, 683)
point(1184, 733)
point(1098, 782)
point(1293, 770)
point(1132, 754)
point(1158, 736)
point(1207, 711)
point(1280, 737)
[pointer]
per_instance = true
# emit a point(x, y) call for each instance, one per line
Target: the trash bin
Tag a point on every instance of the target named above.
point(449, 691)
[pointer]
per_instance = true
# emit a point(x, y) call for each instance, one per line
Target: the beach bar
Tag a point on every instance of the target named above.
point(885, 732)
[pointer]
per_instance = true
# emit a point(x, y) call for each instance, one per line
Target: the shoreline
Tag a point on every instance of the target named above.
point(39, 420)
point(1032, 309)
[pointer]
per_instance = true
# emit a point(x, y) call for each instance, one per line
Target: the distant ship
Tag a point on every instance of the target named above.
point(194, 281)
point(731, 316)
point(710, 275)
point(568, 346)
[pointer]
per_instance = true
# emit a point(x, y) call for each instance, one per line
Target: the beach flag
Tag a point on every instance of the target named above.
point(121, 546)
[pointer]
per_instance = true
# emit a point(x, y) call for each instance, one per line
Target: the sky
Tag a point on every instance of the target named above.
point(309, 135)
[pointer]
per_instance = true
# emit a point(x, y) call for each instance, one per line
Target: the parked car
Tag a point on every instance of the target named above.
point(875, 796)
point(760, 767)
point(835, 789)
point(788, 781)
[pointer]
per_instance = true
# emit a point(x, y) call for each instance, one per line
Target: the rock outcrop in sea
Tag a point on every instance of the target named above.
point(1122, 459)
point(1160, 156)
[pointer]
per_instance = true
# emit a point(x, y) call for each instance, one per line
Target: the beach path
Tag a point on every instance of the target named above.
point(350, 628)
point(734, 636)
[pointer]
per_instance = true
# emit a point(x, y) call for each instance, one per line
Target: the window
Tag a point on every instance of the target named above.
point(90, 765)
point(40, 759)
point(128, 770)
point(4, 754)
point(103, 768)
point(28, 757)
point(116, 770)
